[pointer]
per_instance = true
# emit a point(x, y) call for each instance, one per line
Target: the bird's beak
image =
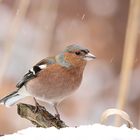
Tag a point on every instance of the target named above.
point(89, 57)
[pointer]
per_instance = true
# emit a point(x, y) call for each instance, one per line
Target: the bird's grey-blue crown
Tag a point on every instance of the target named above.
point(74, 47)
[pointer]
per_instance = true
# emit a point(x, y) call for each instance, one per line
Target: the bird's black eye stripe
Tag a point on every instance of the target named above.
point(82, 51)
point(85, 51)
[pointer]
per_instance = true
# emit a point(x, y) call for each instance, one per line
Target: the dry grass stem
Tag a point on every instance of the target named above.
point(47, 22)
point(129, 53)
point(12, 34)
point(109, 112)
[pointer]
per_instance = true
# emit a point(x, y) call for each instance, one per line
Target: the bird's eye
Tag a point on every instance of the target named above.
point(77, 53)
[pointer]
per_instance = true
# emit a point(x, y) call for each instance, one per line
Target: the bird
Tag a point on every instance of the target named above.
point(53, 79)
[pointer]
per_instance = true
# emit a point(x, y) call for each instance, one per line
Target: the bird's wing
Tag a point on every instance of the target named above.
point(32, 73)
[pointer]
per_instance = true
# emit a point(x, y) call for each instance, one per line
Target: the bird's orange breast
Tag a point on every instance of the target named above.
point(55, 82)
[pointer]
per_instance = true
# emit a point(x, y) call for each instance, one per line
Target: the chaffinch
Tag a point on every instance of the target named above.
point(53, 78)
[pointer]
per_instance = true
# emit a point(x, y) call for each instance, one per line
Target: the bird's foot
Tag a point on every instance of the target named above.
point(38, 107)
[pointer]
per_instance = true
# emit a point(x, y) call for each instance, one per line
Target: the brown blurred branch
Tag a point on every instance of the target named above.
point(12, 34)
point(129, 52)
point(47, 18)
point(40, 118)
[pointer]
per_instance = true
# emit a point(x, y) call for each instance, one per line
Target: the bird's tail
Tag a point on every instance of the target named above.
point(12, 98)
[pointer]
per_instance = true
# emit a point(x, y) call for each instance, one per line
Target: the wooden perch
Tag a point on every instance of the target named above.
point(40, 118)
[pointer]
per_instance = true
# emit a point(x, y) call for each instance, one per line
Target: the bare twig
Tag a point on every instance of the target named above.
point(40, 118)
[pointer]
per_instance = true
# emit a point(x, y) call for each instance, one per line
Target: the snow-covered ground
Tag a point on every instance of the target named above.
point(91, 132)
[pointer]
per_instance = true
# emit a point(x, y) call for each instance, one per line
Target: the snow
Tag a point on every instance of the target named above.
point(91, 132)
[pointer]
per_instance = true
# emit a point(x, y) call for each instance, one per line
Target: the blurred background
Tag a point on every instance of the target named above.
point(33, 29)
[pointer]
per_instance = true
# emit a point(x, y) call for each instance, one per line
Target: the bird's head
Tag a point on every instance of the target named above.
point(76, 54)
point(79, 52)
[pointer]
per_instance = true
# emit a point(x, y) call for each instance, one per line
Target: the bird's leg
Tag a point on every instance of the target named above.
point(38, 106)
point(57, 115)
